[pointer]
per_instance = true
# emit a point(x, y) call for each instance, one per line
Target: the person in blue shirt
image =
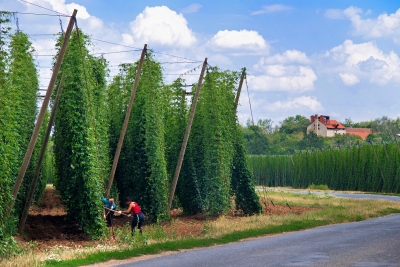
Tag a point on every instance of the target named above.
point(109, 203)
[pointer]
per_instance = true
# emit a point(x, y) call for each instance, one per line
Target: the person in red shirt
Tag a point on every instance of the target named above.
point(138, 217)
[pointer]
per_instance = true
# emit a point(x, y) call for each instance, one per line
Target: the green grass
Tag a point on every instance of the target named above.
point(319, 187)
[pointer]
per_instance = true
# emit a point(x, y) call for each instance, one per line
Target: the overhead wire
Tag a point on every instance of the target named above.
point(43, 7)
point(35, 14)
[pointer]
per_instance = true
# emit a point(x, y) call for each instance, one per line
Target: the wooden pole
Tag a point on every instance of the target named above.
point(239, 88)
point(42, 112)
point(24, 216)
point(186, 137)
point(125, 125)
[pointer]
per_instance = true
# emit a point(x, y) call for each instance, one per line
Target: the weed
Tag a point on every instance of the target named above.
point(319, 187)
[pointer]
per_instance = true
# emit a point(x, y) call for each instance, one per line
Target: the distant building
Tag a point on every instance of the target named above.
point(324, 126)
point(361, 132)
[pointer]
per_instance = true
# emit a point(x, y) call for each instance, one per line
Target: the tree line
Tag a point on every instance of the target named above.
point(262, 138)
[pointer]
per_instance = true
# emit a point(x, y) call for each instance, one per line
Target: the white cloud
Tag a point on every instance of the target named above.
point(272, 9)
point(284, 78)
point(244, 39)
point(82, 12)
point(364, 61)
point(349, 79)
point(303, 102)
point(289, 56)
point(60, 6)
point(284, 72)
point(385, 25)
point(163, 26)
point(193, 8)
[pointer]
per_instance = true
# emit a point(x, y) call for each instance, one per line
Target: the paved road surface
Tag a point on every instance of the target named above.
point(370, 243)
point(348, 195)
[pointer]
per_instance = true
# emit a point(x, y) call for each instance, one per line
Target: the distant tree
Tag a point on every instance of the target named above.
point(256, 140)
point(363, 124)
point(348, 122)
point(373, 138)
point(295, 124)
point(387, 128)
point(311, 140)
point(343, 140)
point(266, 125)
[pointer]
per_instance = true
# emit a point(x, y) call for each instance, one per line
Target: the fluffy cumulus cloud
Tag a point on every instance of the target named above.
point(348, 78)
point(243, 39)
point(302, 103)
point(284, 72)
point(163, 26)
point(289, 56)
point(385, 25)
point(272, 9)
point(365, 61)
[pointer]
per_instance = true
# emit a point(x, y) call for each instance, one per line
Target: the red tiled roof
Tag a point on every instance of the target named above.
point(334, 124)
point(361, 132)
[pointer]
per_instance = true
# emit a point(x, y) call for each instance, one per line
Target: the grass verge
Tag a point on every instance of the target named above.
point(323, 209)
point(190, 243)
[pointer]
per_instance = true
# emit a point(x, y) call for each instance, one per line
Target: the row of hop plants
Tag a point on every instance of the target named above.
point(155, 134)
point(18, 99)
point(368, 167)
point(87, 127)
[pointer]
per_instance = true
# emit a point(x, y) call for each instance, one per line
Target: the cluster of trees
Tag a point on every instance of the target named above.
point(262, 138)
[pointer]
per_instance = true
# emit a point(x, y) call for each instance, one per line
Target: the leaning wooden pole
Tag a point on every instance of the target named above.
point(186, 137)
point(239, 88)
point(125, 125)
point(24, 216)
point(42, 112)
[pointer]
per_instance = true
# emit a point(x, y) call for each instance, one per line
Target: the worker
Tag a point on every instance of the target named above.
point(138, 217)
point(109, 208)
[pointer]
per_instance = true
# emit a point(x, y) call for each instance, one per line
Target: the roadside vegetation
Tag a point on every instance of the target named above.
point(320, 210)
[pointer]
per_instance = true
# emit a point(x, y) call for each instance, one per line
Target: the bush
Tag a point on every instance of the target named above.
point(319, 187)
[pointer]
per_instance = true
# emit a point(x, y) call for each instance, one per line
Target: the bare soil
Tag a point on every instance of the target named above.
point(48, 224)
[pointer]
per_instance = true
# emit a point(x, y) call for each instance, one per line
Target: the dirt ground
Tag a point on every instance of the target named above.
point(48, 226)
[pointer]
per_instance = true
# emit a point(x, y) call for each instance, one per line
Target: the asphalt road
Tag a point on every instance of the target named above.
point(370, 243)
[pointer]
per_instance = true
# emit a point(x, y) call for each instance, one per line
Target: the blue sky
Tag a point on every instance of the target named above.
point(337, 58)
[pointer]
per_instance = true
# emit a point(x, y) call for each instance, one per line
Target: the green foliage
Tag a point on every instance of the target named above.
point(187, 193)
point(8, 143)
point(23, 78)
point(18, 89)
point(79, 162)
point(368, 167)
point(211, 140)
point(310, 141)
point(246, 198)
point(256, 142)
point(319, 187)
point(141, 172)
point(295, 124)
